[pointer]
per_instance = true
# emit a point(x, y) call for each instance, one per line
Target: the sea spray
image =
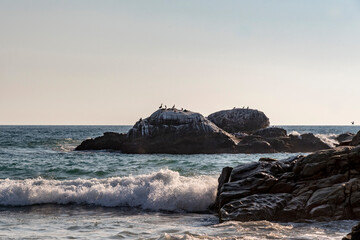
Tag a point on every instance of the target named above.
point(329, 139)
point(162, 190)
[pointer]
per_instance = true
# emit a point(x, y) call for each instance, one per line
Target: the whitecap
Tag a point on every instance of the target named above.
point(162, 190)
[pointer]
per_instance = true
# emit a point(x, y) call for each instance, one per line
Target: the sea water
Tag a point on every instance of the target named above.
point(49, 191)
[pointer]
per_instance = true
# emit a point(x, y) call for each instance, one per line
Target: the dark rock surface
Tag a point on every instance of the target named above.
point(240, 120)
point(355, 233)
point(321, 186)
point(272, 132)
point(277, 141)
point(356, 140)
point(178, 132)
point(344, 137)
point(109, 141)
point(184, 132)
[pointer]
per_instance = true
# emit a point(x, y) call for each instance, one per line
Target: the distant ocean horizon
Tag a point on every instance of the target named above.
point(49, 191)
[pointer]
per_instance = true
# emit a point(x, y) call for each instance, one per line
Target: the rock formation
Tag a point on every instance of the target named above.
point(177, 131)
point(321, 186)
point(344, 138)
point(109, 141)
point(356, 140)
point(240, 120)
point(271, 140)
point(185, 132)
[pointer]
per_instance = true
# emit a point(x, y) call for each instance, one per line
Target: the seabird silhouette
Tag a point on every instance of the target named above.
point(160, 106)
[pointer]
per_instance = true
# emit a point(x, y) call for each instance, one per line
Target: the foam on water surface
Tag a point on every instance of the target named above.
point(48, 191)
point(162, 190)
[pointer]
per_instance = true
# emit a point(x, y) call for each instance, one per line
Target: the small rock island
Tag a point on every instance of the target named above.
point(179, 131)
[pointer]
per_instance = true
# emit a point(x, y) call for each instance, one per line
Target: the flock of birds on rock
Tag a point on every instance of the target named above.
point(173, 108)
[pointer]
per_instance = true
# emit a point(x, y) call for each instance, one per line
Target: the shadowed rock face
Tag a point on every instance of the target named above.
point(109, 141)
point(345, 137)
point(240, 120)
point(271, 140)
point(321, 186)
point(272, 132)
point(356, 140)
point(177, 131)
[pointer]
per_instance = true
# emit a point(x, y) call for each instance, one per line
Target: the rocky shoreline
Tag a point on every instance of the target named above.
point(177, 131)
point(322, 186)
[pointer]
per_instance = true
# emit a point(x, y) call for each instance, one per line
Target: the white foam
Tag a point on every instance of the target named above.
point(329, 139)
point(295, 133)
point(162, 190)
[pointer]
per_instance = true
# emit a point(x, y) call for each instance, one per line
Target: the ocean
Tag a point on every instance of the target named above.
point(49, 191)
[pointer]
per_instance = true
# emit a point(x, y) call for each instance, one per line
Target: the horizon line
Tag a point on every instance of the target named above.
point(133, 124)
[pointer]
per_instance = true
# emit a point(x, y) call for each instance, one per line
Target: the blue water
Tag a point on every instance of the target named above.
point(47, 190)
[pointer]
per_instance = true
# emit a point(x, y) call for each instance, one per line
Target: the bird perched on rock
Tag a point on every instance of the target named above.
point(160, 106)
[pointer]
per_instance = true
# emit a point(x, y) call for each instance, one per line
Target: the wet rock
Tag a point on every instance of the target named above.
point(306, 142)
point(109, 141)
point(240, 120)
point(356, 140)
point(255, 207)
point(344, 137)
point(321, 186)
point(178, 132)
point(276, 141)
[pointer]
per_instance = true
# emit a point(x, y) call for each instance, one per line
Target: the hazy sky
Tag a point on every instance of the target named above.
point(112, 62)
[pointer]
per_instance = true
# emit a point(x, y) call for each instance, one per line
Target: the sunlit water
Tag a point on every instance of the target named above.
point(49, 191)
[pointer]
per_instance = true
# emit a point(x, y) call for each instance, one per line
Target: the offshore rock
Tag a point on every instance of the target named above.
point(321, 186)
point(178, 132)
point(184, 132)
point(240, 120)
point(272, 140)
point(109, 141)
point(344, 138)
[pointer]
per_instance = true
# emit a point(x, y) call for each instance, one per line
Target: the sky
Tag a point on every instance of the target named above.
point(112, 62)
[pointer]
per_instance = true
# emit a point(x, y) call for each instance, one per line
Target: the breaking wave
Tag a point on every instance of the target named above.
point(162, 190)
point(329, 139)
